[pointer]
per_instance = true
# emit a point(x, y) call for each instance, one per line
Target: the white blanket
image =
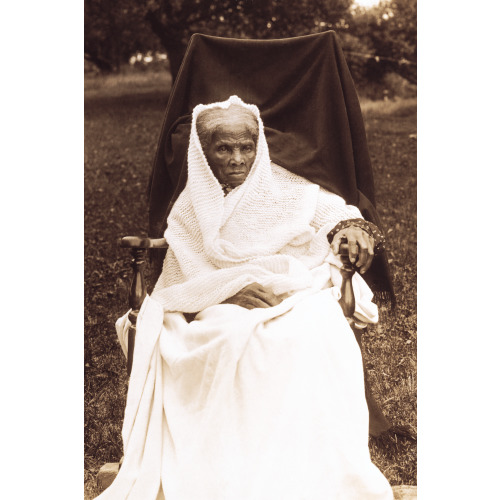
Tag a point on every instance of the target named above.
point(261, 404)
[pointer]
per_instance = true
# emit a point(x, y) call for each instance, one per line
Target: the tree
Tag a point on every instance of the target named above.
point(389, 31)
point(115, 30)
point(175, 21)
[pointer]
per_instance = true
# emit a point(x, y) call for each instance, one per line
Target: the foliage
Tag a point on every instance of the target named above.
point(114, 30)
point(132, 24)
point(249, 18)
point(121, 130)
point(388, 32)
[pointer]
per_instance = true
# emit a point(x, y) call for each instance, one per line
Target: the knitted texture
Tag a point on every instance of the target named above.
point(271, 229)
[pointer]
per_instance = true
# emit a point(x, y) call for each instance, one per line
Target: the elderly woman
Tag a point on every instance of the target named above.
point(247, 380)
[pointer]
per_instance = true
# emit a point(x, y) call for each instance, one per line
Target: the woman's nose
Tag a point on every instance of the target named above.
point(236, 158)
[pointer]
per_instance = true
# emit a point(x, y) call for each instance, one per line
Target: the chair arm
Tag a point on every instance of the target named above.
point(344, 250)
point(138, 288)
point(138, 242)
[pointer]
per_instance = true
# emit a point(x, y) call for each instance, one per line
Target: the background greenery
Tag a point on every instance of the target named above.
point(377, 41)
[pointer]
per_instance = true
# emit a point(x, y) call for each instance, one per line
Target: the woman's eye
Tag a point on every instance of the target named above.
point(222, 149)
point(247, 148)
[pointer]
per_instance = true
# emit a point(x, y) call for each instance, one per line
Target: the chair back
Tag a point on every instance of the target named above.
point(309, 106)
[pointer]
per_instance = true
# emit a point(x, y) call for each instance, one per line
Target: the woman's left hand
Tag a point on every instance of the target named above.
point(361, 246)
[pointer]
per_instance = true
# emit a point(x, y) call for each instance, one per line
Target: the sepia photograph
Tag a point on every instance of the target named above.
point(210, 250)
point(250, 250)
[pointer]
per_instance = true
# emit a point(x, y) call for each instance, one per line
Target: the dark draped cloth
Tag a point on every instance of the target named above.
point(310, 109)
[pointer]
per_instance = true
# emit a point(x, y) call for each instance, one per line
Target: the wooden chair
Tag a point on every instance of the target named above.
point(138, 290)
point(310, 70)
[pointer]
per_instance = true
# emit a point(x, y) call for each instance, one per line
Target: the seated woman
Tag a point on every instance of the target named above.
point(247, 380)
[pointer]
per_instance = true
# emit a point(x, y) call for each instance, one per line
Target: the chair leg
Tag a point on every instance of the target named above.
point(378, 423)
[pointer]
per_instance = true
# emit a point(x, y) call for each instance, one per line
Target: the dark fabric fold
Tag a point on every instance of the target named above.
point(310, 109)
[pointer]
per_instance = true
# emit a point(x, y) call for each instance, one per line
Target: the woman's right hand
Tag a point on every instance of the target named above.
point(252, 296)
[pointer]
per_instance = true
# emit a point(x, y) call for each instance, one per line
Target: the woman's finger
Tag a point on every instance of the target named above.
point(371, 253)
point(266, 295)
point(253, 302)
point(271, 299)
point(368, 244)
point(336, 243)
point(363, 250)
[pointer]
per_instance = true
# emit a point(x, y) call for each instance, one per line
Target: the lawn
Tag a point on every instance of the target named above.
point(123, 118)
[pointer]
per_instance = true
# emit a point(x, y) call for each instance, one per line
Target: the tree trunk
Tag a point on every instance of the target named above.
point(170, 39)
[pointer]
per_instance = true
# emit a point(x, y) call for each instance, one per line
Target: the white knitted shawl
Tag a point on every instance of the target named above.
point(271, 229)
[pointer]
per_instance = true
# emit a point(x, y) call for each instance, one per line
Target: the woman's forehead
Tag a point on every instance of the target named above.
point(233, 132)
point(213, 118)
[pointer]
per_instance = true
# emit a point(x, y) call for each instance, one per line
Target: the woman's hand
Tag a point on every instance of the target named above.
point(361, 246)
point(252, 296)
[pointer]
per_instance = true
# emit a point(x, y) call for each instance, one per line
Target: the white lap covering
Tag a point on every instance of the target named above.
point(261, 404)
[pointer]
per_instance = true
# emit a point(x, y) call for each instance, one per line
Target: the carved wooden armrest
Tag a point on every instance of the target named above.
point(347, 301)
point(138, 288)
point(141, 243)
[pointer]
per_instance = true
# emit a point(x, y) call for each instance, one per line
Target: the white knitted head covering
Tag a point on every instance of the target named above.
point(213, 210)
point(261, 231)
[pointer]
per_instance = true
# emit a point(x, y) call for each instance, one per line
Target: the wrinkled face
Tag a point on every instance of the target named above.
point(231, 152)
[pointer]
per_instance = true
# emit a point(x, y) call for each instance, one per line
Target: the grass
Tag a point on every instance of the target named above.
point(115, 85)
point(123, 117)
point(391, 348)
point(395, 108)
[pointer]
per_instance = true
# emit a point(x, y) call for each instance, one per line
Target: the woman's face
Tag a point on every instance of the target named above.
point(232, 152)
